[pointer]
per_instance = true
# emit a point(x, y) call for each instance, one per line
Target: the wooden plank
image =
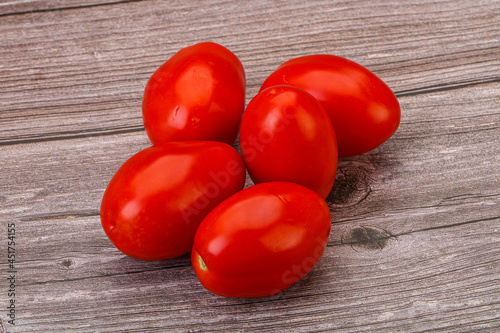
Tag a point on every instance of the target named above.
point(406, 238)
point(415, 223)
point(66, 73)
point(433, 157)
point(23, 7)
point(420, 281)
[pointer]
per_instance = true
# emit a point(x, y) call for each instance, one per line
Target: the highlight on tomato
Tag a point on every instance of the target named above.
point(286, 135)
point(261, 240)
point(157, 198)
point(198, 94)
point(363, 109)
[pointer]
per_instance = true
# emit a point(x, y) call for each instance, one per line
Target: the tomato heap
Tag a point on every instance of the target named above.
point(186, 192)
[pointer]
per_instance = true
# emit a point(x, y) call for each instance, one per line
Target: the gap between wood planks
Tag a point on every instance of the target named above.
point(45, 10)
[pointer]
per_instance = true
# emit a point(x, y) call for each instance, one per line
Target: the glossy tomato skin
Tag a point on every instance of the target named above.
point(261, 240)
point(157, 198)
point(286, 135)
point(198, 94)
point(363, 109)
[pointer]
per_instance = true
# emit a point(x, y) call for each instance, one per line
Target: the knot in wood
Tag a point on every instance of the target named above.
point(352, 185)
point(67, 263)
point(369, 238)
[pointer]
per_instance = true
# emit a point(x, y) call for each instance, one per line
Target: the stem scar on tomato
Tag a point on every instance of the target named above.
point(203, 267)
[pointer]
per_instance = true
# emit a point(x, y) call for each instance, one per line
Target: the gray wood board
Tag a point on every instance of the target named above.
point(415, 223)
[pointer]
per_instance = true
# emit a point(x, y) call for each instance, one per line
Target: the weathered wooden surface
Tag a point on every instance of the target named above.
point(415, 243)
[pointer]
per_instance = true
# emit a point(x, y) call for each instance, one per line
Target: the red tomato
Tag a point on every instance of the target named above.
point(198, 94)
point(286, 135)
point(363, 109)
point(157, 198)
point(261, 240)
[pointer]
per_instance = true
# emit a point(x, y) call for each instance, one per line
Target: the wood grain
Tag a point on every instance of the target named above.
point(415, 242)
point(22, 7)
point(85, 74)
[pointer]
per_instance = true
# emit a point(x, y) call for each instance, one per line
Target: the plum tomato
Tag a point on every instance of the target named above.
point(261, 240)
point(198, 94)
point(157, 198)
point(363, 109)
point(286, 135)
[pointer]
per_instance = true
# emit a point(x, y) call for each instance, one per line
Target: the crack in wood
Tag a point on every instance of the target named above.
point(77, 135)
point(106, 275)
point(46, 10)
point(280, 298)
point(60, 216)
point(445, 87)
point(379, 235)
